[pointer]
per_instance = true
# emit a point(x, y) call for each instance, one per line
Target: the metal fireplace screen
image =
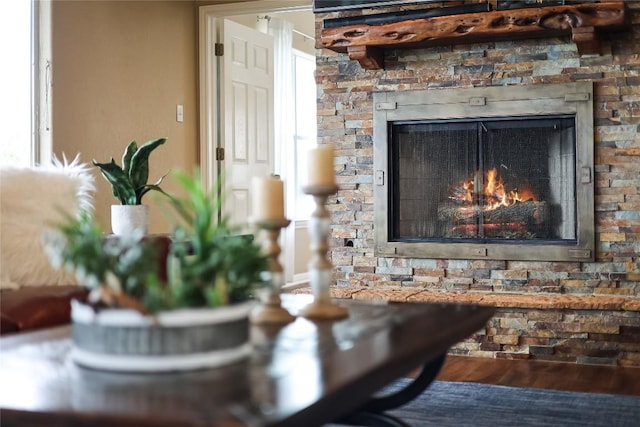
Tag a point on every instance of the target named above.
point(484, 180)
point(502, 173)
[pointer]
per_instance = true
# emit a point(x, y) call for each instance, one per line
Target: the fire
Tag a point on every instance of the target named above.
point(483, 207)
point(494, 193)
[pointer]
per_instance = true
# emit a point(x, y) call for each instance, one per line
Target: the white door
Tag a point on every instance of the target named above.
point(247, 114)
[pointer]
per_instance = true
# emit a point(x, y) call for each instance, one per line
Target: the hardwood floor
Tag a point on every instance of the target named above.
point(542, 374)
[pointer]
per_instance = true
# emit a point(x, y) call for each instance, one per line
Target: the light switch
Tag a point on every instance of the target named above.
point(179, 113)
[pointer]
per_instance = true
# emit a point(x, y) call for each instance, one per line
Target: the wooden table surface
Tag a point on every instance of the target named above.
point(304, 374)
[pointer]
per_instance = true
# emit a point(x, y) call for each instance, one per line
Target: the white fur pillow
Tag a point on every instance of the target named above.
point(32, 200)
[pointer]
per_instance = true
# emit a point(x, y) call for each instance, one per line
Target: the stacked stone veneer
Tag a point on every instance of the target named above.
point(565, 311)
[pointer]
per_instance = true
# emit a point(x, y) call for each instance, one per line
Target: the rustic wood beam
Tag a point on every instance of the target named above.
point(586, 40)
point(369, 57)
point(581, 21)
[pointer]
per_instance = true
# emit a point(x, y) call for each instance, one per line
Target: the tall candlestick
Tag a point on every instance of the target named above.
point(320, 267)
point(320, 166)
point(267, 198)
point(270, 310)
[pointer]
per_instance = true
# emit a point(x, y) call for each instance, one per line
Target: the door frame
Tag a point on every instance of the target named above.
point(210, 79)
point(210, 75)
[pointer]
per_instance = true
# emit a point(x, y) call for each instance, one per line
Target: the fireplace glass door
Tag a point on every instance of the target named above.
point(502, 173)
point(483, 180)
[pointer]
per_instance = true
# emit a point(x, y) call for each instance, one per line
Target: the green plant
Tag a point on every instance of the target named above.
point(115, 268)
point(213, 264)
point(129, 182)
point(210, 264)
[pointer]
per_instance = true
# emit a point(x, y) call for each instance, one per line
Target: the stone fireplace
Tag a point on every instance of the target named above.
point(566, 288)
point(485, 173)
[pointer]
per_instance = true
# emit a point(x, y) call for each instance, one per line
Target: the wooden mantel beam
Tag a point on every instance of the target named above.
point(364, 42)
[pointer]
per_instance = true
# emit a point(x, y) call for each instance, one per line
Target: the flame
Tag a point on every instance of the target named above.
point(494, 192)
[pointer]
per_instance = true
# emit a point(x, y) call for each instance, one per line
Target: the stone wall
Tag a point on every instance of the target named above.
point(568, 311)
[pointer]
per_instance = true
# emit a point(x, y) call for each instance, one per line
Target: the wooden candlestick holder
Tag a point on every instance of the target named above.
point(270, 310)
point(320, 268)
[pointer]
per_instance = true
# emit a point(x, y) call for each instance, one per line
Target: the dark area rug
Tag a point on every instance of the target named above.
point(479, 405)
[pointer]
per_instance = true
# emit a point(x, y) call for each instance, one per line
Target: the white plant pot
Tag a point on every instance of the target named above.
point(125, 219)
point(124, 340)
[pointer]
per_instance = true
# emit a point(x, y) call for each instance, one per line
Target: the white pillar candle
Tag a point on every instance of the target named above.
point(267, 198)
point(320, 166)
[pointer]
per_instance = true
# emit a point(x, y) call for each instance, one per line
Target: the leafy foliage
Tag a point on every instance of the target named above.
point(129, 182)
point(210, 264)
point(126, 264)
point(214, 265)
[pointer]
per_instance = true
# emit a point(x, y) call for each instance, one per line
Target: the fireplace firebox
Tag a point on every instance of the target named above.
point(485, 173)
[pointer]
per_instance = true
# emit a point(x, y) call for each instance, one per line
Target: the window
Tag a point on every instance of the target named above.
point(305, 130)
point(16, 107)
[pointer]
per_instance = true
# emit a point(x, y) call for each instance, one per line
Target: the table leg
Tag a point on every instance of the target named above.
point(371, 414)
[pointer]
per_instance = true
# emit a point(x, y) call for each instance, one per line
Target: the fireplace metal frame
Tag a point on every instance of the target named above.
point(488, 102)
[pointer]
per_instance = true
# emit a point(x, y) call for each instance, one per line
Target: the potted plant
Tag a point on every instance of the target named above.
point(134, 320)
point(129, 185)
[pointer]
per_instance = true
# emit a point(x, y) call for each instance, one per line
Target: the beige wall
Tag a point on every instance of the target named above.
point(119, 69)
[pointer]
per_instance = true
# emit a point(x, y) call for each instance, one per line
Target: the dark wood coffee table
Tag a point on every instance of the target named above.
point(303, 374)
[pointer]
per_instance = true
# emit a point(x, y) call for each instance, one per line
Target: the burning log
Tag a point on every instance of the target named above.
point(529, 212)
point(492, 210)
point(518, 221)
